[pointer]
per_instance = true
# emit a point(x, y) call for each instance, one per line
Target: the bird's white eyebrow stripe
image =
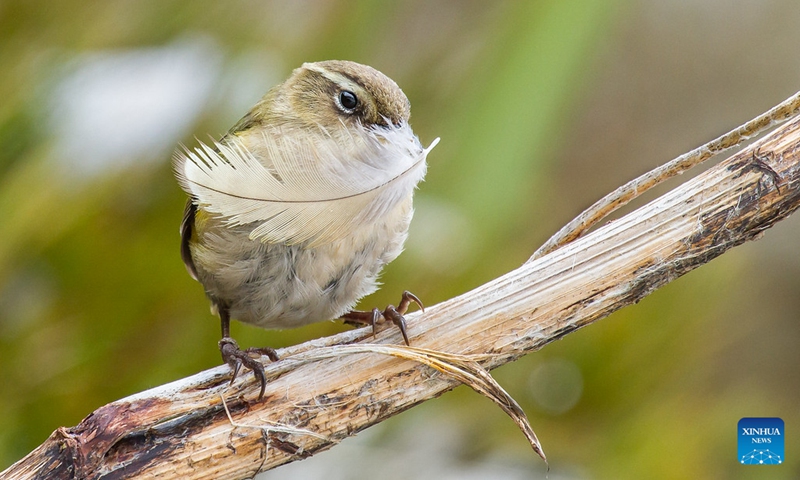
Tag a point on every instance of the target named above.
point(335, 77)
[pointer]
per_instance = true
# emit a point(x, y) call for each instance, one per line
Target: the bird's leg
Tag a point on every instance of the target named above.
point(391, 313)
point(236, 357)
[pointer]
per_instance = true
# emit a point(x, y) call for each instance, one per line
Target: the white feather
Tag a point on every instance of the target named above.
point(315, 190)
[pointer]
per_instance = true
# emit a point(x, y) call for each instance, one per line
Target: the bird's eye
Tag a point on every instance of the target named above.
point(348, 101)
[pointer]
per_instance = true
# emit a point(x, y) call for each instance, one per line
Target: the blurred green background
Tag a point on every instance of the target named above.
point(542, 108)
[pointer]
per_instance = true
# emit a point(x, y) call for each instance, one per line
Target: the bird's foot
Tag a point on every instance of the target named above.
point(236, 357)
point(390, 313)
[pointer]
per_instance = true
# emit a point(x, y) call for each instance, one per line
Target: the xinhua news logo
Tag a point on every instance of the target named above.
point(761, 441)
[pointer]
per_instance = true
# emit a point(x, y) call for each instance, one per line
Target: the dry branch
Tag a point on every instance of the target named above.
point(313, 401)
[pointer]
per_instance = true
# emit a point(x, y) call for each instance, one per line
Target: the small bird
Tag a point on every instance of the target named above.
point(293, 214)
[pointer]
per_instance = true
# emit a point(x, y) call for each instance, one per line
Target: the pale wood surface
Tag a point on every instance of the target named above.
point(181, 430)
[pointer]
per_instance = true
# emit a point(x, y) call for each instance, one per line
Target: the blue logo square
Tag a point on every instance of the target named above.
point(761, 441)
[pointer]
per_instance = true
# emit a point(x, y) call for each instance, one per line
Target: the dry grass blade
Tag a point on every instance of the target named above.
point(464, 368)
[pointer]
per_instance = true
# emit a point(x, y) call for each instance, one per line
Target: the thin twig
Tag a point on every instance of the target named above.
point(636, 187)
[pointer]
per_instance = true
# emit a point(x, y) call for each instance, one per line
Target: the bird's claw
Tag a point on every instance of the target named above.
point(236, 357)
point(390, 313)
